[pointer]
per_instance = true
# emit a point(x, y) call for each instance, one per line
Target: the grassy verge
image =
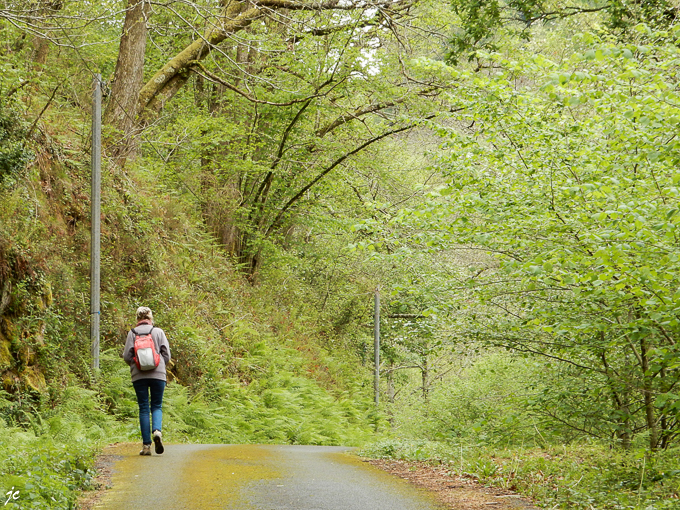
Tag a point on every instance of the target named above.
point(38, 472)
point(47, 458)
point(588, 476)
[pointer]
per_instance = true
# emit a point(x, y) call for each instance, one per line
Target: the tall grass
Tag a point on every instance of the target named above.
point(46, 457)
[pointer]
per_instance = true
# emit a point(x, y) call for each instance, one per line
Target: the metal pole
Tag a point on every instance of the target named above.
point(376, 346)
point(95, 219)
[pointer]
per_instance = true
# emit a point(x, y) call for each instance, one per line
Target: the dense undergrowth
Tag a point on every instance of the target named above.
point(484, 421)
point(576, 476)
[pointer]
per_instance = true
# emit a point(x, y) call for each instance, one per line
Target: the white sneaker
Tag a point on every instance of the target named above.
point(158, 441)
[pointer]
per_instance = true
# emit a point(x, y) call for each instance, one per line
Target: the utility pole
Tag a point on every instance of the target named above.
point(95, 254)
point(376, 346)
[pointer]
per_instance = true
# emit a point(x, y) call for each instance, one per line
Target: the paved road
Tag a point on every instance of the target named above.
point(255, 477)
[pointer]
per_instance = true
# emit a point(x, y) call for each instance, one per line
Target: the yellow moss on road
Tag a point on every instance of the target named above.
point(254, 477)
point(217, 475)
point(210, 477)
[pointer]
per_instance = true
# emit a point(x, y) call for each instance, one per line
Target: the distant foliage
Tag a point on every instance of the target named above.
point(485, 24)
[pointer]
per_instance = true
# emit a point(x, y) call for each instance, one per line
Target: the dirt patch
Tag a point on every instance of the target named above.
point(102, 482)
point(453, 491)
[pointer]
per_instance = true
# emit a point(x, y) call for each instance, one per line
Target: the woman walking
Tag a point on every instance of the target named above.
point(147, 352)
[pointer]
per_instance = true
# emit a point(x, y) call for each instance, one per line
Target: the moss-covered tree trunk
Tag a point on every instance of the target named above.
point(41, 48)
point(121, 111)
point(41, 45)
point(163, 86)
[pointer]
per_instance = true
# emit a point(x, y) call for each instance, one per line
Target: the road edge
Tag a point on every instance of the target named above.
point(453, 491)
point(102, 482)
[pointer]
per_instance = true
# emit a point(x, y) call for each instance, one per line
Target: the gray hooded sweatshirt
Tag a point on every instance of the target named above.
point(162, 347)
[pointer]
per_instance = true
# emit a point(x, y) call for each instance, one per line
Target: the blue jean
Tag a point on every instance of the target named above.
point(142, 388)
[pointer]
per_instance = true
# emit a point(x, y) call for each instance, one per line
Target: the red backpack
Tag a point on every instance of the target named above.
point(146, 357)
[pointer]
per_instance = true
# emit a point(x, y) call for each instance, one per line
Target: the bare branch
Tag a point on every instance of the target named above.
point(47, 105)
point(216, 79)
point(359, 112)
point(327, 170)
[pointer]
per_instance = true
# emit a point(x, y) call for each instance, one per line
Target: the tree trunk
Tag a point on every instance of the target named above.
point(162, 87)
point(390, 383)
point(41, 45)
point(390, 393)
point(220, 210)
point(248, 257)
point(625, 434)
point(648, 397)
point(221, 191)
point(121, 110)
point(620, 402)
point(666, 431)
point(425, 376)
point(40, 50)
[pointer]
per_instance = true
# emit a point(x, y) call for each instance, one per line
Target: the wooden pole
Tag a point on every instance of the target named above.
point(95, 254)
point(376, 346)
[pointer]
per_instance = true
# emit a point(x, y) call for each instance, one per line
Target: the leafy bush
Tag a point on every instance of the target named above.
point(45, 471)
point(484, 401)
point(589, 477)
